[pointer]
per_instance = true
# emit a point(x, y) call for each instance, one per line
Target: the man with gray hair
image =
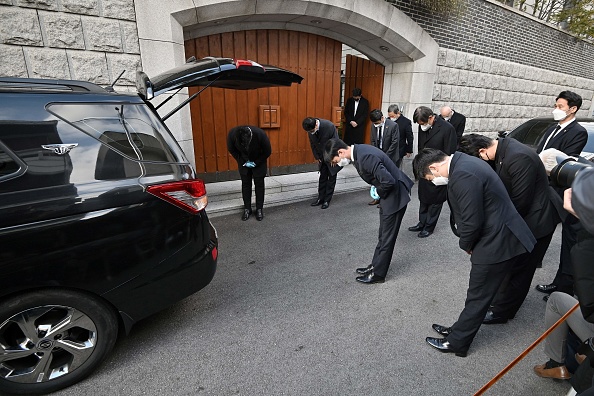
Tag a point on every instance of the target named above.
point(457, 120)
point(405, 129)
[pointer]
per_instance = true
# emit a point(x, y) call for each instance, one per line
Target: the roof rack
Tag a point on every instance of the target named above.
point(47, 85)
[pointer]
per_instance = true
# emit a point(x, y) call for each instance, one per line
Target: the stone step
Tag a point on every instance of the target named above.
point(225, 197)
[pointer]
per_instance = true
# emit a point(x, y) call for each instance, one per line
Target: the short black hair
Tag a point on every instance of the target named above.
point(471, 143)
point(309, 124)
point(572, 98)
point(426, 157)
point(375, 115)
point(422, 113)
point(331, 149)
point(357, 92)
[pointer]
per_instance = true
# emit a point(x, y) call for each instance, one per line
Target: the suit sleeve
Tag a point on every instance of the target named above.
point(467, 203)
point(409, 137)
point(373, 134)
point(394, 142)
point(450, 143)
point(233, 150)
point(577, 144)
point(523, 174)
point(461, 127)
point(349, 108)
point(383, 179)
point(363, 111)
point(265, 148)
point(313, 146)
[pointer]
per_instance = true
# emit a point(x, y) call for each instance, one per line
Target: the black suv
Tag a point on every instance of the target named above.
point(102, 219)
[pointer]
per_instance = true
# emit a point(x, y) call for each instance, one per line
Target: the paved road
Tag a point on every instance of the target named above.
point(284, 316)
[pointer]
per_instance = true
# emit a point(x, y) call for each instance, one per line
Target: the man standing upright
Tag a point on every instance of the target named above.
point(569, 137)
point(457, 120)
point(319, 132)
point(385, 136)
point(525, 179)
point(405, 129)
point(490, 230)
point(393, 187)
point(356, 110)
point(437, 134)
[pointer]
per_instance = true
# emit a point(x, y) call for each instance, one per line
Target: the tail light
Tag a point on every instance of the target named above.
point(189, 195)
point(249, 66)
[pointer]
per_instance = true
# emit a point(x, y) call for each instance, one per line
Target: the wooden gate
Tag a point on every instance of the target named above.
point(369, 76)
point(216, 110)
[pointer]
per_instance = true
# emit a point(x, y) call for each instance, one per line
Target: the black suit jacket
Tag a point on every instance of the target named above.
point(486, 220)
point(318, 140)
point(360, 117)
point(441, 136)
point(458, 121)
point(377, 169)
point(525, 179)
point(390, 139)
point(258, 152)
point(406, 135)
point(570, 140)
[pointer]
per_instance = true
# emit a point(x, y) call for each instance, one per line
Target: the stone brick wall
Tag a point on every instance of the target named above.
point(500, 67)
point(90, 40)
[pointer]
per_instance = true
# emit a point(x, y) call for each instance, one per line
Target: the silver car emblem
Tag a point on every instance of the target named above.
point(60, 149)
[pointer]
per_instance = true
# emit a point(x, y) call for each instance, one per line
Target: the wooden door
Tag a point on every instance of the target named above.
point(369, 76)
point(216, 110)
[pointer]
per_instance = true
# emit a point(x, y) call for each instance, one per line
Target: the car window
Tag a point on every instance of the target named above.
point(8, 164)
point(590, 144)
point(130, 129)
point(531, 132)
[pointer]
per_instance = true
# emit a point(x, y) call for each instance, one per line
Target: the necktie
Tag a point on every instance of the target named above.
point(555, 132)
point(379, 134)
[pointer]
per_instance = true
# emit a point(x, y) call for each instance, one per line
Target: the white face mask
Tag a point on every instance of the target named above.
point(559, 114)
point(425, 127)
point(439, 180)
point(344, 162)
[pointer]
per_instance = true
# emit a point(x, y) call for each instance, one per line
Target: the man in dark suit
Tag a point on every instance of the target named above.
point(385, 136)
point(356, 110)
point(438, 134)
point(406, 134)
point(393, 187)
point(569, 137)
point(525, 179)
point(250, 147)
point(457, 120)
point(319, 132)
point(490, 230)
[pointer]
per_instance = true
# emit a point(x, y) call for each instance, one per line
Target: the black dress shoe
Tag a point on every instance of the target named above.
point(259, 214)
point(325, 205)
point(246, 214)
point(370, 278)
point(424, 234)
point(416, 228)
point(374, 202)
point(364, 270)
point(493, 318)
point(546, 298)
point(317, 202)
point(546, 288)
point(444, 331)
point(442, 345)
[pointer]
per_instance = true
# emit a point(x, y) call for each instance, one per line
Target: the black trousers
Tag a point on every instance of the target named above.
point(326, 183)
point(246, 190)
point(388, 231)
point(354, 135)
point(428, 215)
point(515, 286)
point(485, 280)
point(564, 277)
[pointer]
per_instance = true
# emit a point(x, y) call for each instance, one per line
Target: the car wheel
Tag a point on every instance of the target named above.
point(51, 339)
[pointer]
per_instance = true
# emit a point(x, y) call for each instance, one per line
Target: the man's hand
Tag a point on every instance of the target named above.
point(354, 124)
point(567, 201)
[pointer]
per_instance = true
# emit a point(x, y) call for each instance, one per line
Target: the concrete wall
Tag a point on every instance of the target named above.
point(90, 40)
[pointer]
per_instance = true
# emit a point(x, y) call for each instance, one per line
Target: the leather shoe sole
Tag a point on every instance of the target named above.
point(370, 278)
point(560, 372)
point(364, 270)
point(444, 331)
point(492, 318)
point(548, 289)
point(424, 234)
point(442, 345)
point(415, 228)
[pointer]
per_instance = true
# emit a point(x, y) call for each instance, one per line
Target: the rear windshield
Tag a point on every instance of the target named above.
point(131, 129)
point(590, 128)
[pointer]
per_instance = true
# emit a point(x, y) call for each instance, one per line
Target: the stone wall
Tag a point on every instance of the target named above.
point(90, 40)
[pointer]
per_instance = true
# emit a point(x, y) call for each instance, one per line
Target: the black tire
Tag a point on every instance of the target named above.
point(56, 336)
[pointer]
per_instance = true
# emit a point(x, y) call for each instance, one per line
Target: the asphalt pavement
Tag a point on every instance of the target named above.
point(284, 316)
